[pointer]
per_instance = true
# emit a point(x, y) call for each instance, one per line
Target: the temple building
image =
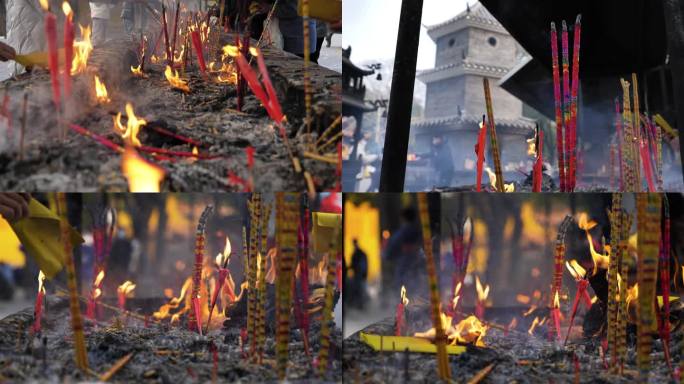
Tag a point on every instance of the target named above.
point(470, 47)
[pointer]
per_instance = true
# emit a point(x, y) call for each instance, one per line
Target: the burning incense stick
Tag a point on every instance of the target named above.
point(254, 224)
point(648, 228)
point(74, 306)
point(68, 46)
point(197, 43)
point(625, 226)
point(262, 299)
point(580, 276)
point(334, 249)
point(399, 318)
point(53, 59)
point(480, 151)
point(169, 54)
point(287, 213)
point(492, 136)
point(440, 337)
point(38, 308)
point(559, 259)
point(612, 332)
point(175, 29)
point(538, 164)
point(573, 101)
point(195, 317)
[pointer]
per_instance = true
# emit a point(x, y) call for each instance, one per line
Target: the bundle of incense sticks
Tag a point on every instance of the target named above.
point(648, 235)
point(262, 298)
point(443, 367)
point(492, 136)
point(195, 317)
point(334, 249)
point(615, 215)
point(625, 226)
point(254, 224)
point(559, 260)
point(74, 306)
point(461, 254)
point(560, 148)
point(287, 213)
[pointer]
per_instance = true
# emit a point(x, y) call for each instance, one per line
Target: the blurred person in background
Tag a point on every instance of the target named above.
point(100, 11)
point(402, 259)
point(357, 284)
point(291, 28)
point(442, 161)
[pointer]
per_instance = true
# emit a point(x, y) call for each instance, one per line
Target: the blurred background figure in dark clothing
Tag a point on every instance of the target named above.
point(442, 161)
point(402, 256)
point(357, 284)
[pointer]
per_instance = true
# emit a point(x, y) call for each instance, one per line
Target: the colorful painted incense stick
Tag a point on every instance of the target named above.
point(440, 336)
point(573, 102)
point(625, 227)
point(326, 323)
point(254, 224)
point(636, 129)
point(628, 153)
point(615, 215)
point(492, 136)
point(559, 261)
point(560, 147)
point(287, 213)
point(566, 106)
point(262, 299)
point(307, 63)
point(195, 317)
point(648, 228)
point(74, 305)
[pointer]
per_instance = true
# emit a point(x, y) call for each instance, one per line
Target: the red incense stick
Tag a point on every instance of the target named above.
point(68, 47)
point(480, 150)
point(566, 107)
point(573, 101)
point(53, 60)
point(197, 43)
point(560, 148)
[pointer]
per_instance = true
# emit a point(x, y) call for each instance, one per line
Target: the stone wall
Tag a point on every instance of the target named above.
point(505, 105)
point(450, 48)
point(443, 97)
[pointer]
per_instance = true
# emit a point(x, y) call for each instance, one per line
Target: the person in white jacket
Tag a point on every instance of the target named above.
point(100, 13)
point(25, 28)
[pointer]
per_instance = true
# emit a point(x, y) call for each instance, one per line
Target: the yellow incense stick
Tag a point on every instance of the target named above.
point(613, 297)
point(492, 135)
point(255, 216)
point(262, 299)
point(288, 214)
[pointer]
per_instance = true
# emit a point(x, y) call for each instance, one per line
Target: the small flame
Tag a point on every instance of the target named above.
point(221, 257)
point(66, 8)
point(175, 80)
point(482, 293)
point(126, 288)
point(404, 299)
point(535, 322)
point(98, 278)
point(101, 92)
point(523, 299)
point(142, 176)
point(41, 279)
point(82, 49)
point(576, 269)
point(137, 71)
point(532, 146)
point(556, 301)
point(154, 59)
point(468, 331)
point(97, 292)
point(130, 132)
point(45, 5)
point(632, 293)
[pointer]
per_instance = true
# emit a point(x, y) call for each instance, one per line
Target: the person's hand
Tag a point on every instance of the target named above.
point(14, 206)
point(7, 52)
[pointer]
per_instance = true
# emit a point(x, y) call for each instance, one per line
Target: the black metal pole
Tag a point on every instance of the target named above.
point(401, 98)
point(674, 25)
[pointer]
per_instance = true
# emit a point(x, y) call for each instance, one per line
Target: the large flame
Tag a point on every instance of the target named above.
point(101, 92)
point(82, 49)
point(130, 132)
point(468, 331)
point(175, 80)
point(141, 175)
point(508, 188)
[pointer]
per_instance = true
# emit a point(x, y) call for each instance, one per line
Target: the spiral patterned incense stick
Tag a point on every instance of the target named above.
point(261, 298)
point(625, 226)
point(664, 264)
point(74, 305)
point(440, 337)
point(566, 105)
point(620, 145)
point(255, 218)
point(558, 107)
point(492, 136)
point(307, 64)
point(326, 322)
point(573, 101)
point(636, 127)
point(559, 262)
point(613, 296)
point(195, 321)
point(659, 156)
point(287, 210)
point(648, 228)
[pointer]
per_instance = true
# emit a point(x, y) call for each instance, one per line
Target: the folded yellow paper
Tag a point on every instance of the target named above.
point(324, 226)
point(401, 343)
point(37, 59)
point(40, 235)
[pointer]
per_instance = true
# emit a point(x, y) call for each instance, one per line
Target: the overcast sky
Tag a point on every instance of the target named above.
point(370, 27)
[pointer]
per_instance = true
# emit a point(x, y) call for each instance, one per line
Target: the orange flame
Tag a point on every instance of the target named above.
point(142, 176)
point(137, 71)
point(221, 257)
point(101, 92)
point(126, 288)
point(66, 8)
point(535, 322)
point(482, 293)
point(508, 188)
point(82, 49)
point(404, 298)
point(98, 278)
point(41, 279)
point(175, 80)
point(468, 331)
point(130, 132)
point(232, 50)
point(576, 269)
point(45, 5)
point(556, 301)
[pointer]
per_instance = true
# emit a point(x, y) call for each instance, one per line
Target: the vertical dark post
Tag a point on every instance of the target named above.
point(674, 25)
point(401, 98)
